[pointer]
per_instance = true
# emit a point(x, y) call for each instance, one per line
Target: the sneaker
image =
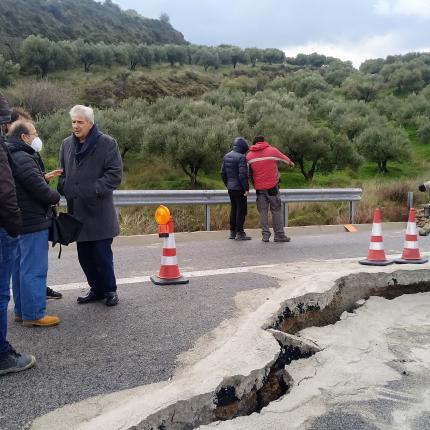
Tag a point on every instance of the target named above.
point(241, 235)
point(46, 321)
point(14, 362)
point(265, 238)
point(232, 234)
point(282, 239)
point(51, 294)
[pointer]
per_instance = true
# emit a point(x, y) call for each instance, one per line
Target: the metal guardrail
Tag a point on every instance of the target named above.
point(214, 197)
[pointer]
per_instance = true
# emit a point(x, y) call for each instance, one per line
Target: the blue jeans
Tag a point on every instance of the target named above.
point(8, 249)
point(29, 276)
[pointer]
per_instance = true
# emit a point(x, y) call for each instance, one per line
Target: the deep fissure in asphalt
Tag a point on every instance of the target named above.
point(273, 382)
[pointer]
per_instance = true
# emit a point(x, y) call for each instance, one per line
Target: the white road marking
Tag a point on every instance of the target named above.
point(202, 273)
point(141, 279)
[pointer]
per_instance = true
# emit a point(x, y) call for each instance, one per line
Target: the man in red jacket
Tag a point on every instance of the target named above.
point(262, 159)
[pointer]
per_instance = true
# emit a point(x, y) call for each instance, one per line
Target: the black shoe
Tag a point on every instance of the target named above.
point(232, 234)
point(282, 239)
point(111, 298)
point(51, 294)
point(14, 362)
point(241, 235)
point(90, 297)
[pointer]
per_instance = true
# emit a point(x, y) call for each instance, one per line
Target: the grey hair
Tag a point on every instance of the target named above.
point(83, 111)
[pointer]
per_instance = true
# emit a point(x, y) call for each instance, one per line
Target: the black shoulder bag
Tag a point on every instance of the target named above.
point(65, 229)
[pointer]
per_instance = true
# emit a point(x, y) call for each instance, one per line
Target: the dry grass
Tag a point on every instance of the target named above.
point(140, 220)
point(391, 197)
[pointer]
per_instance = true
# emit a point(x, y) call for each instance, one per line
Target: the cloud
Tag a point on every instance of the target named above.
point(357, 50)
point(413, 8)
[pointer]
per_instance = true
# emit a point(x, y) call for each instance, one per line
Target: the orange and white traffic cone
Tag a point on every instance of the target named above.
point(376, 255)
point(169, 270)
point(411, 251)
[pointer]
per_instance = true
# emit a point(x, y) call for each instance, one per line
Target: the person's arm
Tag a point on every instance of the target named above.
point(62, 178)
point(112, 174)
point(224, 174)
point(10, 215)
point(251, 179)
point(243, 174)
point(31, 178)
point(282, 157)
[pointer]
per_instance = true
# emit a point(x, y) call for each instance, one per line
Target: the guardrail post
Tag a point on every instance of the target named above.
point(410, 199)
point(285, 213)
point(207, 218)
point(352, 211)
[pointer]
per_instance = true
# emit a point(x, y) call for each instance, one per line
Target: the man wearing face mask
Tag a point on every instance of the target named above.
point(20, 114)
point(35, 199)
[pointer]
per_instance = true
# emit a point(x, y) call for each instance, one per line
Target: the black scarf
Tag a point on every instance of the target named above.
point(83, 149)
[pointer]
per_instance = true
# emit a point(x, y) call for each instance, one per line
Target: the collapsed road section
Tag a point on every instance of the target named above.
point(241, 369)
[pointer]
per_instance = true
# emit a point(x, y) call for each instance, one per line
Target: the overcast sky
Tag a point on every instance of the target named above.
point(349, 29)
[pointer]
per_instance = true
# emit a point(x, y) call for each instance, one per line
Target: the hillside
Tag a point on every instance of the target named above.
point(175, 118)
point(74, 19)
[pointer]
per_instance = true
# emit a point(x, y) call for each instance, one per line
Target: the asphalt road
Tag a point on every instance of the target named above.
point(97, 350)
point(140, 255)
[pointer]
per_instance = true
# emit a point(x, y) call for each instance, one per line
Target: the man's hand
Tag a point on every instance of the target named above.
point(422, 188)
point(53, 174)
point(246, 194)
point(291, 165)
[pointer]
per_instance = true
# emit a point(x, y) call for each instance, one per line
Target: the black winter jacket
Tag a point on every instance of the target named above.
point(10, 216)
point(234, 170)
point(35, 198)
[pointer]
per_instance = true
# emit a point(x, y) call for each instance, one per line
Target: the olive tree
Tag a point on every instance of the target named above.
point(254, 55)
point(206, 58)
point(126, 123)
point(381, 143)
point(361, 87)
point(193, 140)
point(88, 54)
point(311, 148)
point(38, 53)
point(8, 71)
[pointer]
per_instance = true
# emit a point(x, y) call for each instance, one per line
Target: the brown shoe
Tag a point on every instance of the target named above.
point(18, 318)
point(46, 321)
point(282, 239)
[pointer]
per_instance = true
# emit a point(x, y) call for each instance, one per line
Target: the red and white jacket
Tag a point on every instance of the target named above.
point(262, 159)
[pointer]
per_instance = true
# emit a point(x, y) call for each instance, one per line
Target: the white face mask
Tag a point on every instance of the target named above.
point(37, 144)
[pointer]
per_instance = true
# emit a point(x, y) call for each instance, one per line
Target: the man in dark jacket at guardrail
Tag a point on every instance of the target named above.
point(35, 199)
point(92, 170)
point(10, 224)
point(234, 173)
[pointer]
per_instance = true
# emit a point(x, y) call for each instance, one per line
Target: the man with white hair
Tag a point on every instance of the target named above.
point(92, 169)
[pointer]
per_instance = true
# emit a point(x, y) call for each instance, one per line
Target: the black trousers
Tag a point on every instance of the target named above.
point(96, 260)
point(239, 209)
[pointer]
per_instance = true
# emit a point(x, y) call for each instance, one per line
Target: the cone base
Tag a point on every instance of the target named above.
point(376, 262)
point(403, 261)
point(175, 281)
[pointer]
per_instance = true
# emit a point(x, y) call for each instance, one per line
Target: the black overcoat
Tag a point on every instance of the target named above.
point(88, 186)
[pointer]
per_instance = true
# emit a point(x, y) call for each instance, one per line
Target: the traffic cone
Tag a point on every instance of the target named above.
point(411, 252)
point(169, 270)
point(376, 255)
